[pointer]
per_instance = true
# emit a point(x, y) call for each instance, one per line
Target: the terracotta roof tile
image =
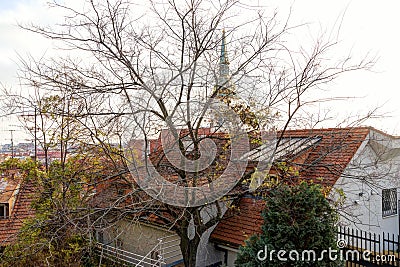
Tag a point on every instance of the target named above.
point(330, 157)
point(10, 227)
point(237, 226)
point(327, 159)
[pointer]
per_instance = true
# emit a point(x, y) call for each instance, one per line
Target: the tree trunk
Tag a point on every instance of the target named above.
point(189, 250)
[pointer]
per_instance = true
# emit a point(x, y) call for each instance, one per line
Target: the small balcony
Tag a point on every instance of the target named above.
point(165, 254)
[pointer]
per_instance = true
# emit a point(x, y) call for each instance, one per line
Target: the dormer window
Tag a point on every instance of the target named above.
point(4, 210)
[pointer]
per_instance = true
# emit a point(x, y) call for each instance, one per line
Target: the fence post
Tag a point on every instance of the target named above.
point(101, 255)
point(398, 251)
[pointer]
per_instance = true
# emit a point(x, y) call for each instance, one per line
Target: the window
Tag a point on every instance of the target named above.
point(3, 210)
point(389, 202)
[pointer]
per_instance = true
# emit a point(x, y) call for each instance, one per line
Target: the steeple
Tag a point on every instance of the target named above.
point(223, 78)
point(223, 60)
point(226, 92)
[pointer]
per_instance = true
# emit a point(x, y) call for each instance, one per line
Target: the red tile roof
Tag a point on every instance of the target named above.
point(326, 159)
point(329, 157)
point(21, 211)
point(239, 225)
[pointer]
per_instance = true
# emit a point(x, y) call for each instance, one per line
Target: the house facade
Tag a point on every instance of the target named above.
point(359, 165)
point(142, 243)
point(371, 183)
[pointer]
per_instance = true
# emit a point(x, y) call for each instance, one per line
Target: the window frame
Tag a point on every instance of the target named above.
point(389, 202)
point(6, 210)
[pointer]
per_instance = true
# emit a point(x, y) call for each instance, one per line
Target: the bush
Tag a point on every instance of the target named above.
point(297, 218)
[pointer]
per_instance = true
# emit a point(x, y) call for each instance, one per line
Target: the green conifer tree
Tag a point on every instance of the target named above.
point(296, 217)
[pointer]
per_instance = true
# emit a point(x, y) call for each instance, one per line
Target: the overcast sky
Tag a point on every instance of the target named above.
point(368, 27)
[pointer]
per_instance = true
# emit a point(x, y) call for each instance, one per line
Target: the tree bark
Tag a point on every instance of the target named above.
point(189, 249)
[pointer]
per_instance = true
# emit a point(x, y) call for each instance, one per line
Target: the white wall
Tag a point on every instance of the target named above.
point(139, 238)
point(362, 184)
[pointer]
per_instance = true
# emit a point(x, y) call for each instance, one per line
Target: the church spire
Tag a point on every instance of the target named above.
point(223, 60)
point(225, 92)
point(223, 79)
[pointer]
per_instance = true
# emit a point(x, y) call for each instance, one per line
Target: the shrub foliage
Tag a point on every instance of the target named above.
point(296, 217)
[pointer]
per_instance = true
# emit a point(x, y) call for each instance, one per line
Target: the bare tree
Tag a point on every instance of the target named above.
point(136, 70)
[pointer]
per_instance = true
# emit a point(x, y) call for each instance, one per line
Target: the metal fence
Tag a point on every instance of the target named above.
point(166, 250)
point(373, 249)
point(125, 258)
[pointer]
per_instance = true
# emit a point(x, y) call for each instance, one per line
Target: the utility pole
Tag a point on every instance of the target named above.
point(12, 143)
